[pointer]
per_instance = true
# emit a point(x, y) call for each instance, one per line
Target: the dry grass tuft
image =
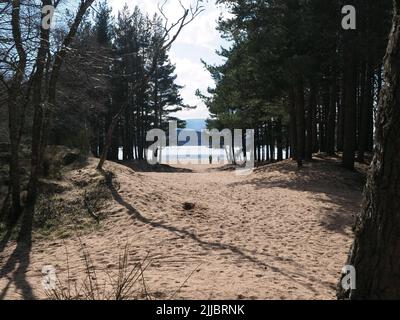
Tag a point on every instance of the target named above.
point(127, 283)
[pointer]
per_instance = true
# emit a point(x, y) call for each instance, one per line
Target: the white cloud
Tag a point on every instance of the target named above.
point(199, 40)
point(192, 76)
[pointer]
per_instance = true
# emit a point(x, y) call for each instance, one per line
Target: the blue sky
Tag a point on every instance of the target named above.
point(199, 40)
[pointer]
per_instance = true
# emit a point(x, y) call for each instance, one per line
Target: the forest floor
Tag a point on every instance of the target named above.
point(279, 233)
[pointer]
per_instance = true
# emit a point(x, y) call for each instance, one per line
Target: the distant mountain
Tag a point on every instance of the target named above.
point(196, 124)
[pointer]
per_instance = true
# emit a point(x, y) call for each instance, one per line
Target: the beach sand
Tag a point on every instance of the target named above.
point(279, 233)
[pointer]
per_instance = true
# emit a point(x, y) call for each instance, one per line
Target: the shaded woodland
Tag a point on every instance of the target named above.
point(296, 76)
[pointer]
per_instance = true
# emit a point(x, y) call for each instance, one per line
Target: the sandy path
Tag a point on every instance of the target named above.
point(276, 234)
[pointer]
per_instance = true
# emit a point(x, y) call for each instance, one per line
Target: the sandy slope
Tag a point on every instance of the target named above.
point(279, 233)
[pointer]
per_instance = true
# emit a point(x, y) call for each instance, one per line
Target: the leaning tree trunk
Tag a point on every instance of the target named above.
point(375, 253)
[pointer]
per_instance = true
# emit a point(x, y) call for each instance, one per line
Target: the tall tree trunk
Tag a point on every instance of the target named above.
point(279, 136)
point(37, 100)
point(14, 116)
point(271, 142)
point(266, 141)
point(331, 119)
point(15, 111)
point(340, 121)
point(292, 126)
point(313, 117)
point(300, 122)
point(287, 140)
point(101, 137)
point(370, 140)
point(262, 141)
point(309, 130)
point(257, 150)
point(366, 116)
point(324, 109)
point(350, 99)
point(126, 135)
point(375, 253)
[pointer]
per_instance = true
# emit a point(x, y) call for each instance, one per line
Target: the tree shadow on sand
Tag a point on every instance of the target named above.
point(16, 265)
point(144, 166)
point(339, 190)
point(207, 245)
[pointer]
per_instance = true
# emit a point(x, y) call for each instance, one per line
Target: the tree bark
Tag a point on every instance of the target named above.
point(15, 111)
point(279, 140)
point(309, 121)
point(365, 114)
point(323, 116)
point(350, 100)
point(331, 119)
point(375, 253)
point(300, 121)
point(37, 126)
point(312, 137)
point(340, 121)
point(292, 126)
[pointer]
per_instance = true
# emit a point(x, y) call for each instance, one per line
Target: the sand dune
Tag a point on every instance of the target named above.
point(279, 233)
